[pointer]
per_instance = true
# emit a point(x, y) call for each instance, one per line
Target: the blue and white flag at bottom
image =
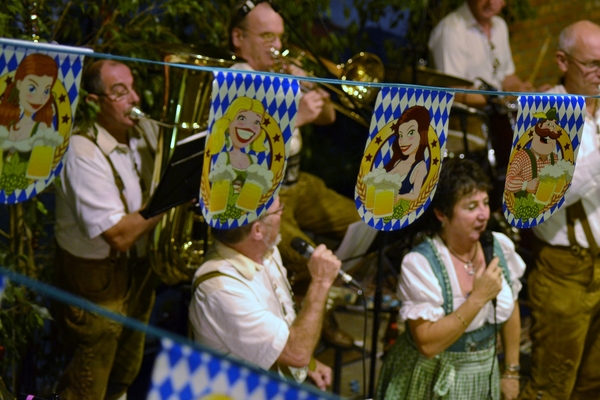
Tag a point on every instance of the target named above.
point(182, 372)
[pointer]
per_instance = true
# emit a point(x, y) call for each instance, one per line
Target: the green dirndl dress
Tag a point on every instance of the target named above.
point(460, 372)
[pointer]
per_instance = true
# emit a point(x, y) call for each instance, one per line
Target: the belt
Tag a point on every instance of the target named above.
point(575, 250)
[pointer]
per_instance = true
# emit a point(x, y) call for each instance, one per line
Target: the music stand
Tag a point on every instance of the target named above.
point(180, 181)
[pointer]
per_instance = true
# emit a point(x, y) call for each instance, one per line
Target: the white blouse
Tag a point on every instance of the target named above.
point(421, 293)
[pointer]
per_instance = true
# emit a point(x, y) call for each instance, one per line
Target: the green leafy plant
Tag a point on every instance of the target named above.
point(149, 29)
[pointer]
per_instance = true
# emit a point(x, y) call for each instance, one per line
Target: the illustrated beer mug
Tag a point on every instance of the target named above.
point(258, 181)
point(40, 162)
point(221, 177)
point(386, 186)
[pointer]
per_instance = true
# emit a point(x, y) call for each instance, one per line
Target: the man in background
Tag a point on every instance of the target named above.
point(472, 43)
point(564, 285)
point(310, 206)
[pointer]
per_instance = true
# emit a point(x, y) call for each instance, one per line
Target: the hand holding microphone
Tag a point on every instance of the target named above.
point(492, 273)
point(306, 250)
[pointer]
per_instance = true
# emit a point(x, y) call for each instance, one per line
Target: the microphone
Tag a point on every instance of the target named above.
point(487, 245)
point(305, 249)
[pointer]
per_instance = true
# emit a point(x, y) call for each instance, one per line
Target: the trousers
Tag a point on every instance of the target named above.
point(311, 206)
point(106, 357)
point(564, 294)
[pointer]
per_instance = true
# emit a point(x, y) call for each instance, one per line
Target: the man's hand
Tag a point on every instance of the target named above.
point(323, 266)
point(544, 87)
point(532, 185)
point(321, 376)
point(311, 106)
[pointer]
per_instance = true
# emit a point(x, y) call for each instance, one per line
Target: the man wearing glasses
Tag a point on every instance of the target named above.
point(256, 29)
point(242, 303)
point(101, 237)
point(564, 285)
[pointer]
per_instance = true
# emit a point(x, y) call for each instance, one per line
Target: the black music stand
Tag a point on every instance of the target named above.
point(180, 181)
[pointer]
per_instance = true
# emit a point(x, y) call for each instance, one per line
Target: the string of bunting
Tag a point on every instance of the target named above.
point(185, 369)
point(393, 189)
point(244, 166)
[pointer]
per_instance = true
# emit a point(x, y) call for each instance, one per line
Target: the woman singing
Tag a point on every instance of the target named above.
point(446, 290)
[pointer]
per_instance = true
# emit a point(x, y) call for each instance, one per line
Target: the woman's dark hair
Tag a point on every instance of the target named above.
point(421, 115)
point(458, 178)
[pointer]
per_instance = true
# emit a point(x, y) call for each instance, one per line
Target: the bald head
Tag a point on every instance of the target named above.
point(578, 57)
point(255, 34)
point(573, 35)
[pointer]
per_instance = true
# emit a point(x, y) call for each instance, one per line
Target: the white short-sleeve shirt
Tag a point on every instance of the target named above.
point(459, 47)
point(247, 316)
point(88, 201)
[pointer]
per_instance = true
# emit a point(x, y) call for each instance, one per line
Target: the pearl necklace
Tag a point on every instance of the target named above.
point(468, 264)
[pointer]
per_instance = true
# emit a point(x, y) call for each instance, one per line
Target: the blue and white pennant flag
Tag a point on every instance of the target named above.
point(182, 373)
point(400, 168)
point(546, 142)
point(250, 128)
point(39, 91)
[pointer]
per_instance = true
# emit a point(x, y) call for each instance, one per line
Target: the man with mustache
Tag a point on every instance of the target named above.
point(522, 176)
point(101, 237)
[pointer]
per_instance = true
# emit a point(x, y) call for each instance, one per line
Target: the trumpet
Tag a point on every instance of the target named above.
point(363, 67)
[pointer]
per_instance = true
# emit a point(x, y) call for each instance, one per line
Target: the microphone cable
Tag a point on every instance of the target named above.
point(305, 249)
point(495, 352)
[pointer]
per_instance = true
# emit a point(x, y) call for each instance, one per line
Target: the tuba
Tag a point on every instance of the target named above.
point(363, 67)
point(179, 241)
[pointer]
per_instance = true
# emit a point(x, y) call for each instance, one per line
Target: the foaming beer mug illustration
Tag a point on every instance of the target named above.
point(42, 153)
point(40, 163)
point(221, 177)
point(368, 181)
point(548, 179)
point(258, 181)
point(566, 175)
point(386, 186)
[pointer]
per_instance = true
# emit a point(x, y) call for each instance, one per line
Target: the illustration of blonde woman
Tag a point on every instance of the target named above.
point(236, 177)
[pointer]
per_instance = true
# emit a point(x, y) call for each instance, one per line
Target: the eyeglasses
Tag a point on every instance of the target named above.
point(278, 211)
point(119, 93)
point(590, 66)
point(269, 37)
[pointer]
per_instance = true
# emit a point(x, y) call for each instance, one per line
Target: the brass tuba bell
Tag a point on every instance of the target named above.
point(180, 240)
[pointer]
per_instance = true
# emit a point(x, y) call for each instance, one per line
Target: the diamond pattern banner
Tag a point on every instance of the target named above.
point(39, 91)
point(400, 167)
point(250, 127)
point(182, 373)
point(544, 152)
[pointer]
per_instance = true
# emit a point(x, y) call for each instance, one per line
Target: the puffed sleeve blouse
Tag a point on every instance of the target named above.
point(421, 293)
